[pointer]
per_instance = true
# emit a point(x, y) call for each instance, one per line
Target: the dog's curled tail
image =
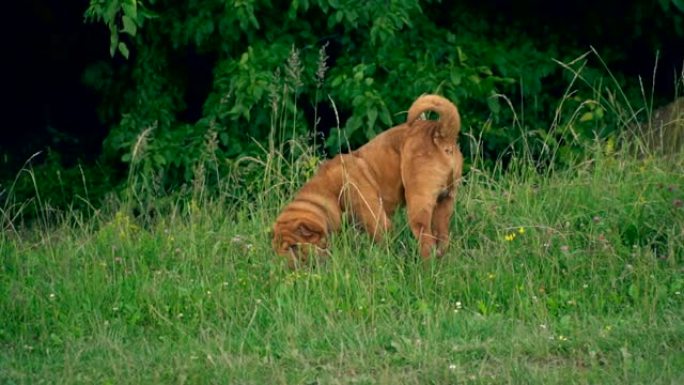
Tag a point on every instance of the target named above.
point(450, 120)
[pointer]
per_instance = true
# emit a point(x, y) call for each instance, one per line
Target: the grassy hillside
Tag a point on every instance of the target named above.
point(571, 276)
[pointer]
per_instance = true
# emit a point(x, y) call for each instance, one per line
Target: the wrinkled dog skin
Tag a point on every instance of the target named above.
point(417, 163)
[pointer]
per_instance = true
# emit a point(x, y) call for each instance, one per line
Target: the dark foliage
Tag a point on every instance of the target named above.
point(180, 71)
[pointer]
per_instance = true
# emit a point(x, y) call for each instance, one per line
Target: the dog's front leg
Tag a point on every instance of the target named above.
point(368, 210)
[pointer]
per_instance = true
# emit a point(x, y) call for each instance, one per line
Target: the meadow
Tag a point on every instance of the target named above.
point(566, 257)
point(556, 274)
point(564, 277)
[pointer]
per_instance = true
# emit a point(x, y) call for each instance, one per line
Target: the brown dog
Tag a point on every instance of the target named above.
point(417, 163)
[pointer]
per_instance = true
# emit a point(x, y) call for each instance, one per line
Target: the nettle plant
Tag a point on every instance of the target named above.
point(267, 86)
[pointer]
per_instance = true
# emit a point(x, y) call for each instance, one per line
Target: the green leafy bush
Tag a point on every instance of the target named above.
point(267, 77)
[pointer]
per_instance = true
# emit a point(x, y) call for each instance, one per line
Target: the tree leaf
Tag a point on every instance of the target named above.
point(455, 77)
point(223, 137)
point(113, 41)
point(111, 11)
point(123, 49)
point(462, 58)
point(129, 26)
point(493, 104)
point(385, 116)
point(352, 125)
point(130, 9)
point(159, 159)
point(679, 4)
point(372, 116)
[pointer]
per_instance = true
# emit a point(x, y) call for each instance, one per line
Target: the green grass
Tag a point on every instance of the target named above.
point(572, 277)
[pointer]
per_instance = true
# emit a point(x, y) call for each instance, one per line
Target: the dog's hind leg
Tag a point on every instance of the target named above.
point(440, 221)
point(420, 207)
point(445, 206)
point(423, 184)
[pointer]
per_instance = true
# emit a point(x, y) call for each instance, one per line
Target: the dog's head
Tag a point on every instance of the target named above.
point(299, 238)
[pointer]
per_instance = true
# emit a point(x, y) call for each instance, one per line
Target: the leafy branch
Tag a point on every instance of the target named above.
point(121, 17)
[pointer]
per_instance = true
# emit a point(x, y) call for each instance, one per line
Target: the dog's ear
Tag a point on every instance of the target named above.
point(304, 231)
point(309, 231)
